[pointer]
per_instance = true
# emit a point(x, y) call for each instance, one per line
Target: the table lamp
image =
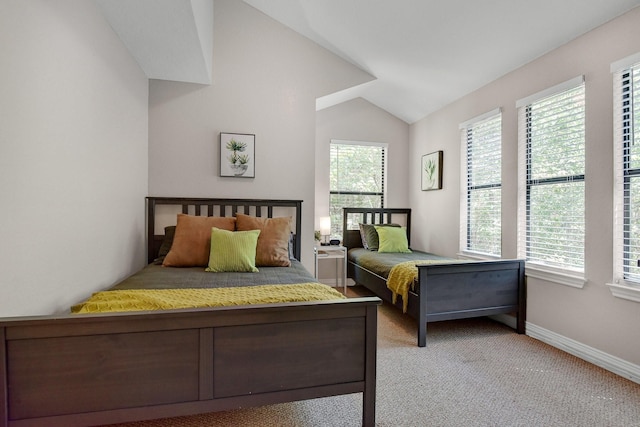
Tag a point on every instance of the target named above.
point(325, 229)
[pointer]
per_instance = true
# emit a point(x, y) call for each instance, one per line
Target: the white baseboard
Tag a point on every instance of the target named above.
point(330, 282)
point(335, 283)
point(507, 319)
point(599, 358)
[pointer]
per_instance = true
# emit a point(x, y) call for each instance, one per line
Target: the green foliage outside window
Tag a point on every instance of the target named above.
point(555, 229)
point(356, 178)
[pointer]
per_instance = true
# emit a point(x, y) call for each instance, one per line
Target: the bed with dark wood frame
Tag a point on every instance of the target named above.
point(443, 291)
point(81, 370)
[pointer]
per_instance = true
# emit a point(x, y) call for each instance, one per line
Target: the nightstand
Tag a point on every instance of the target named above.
point(339, 255)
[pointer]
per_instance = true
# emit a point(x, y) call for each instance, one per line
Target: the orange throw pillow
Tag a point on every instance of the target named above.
point(192, 241)
point(273, 241)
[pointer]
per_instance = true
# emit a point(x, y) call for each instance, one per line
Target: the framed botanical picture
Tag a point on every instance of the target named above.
point(237, 155)
point(432, 171)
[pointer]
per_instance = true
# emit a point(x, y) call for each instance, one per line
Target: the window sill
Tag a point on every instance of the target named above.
point(562, 277)
point(631, 293)
point(476, 256)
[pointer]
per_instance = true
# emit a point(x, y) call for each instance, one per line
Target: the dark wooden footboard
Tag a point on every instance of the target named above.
point(99, 369)
point(457, 291)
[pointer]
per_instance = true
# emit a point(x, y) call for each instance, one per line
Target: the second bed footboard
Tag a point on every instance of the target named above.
point(458, 291)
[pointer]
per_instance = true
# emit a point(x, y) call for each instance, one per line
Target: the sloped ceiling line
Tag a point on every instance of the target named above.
point(424, 54)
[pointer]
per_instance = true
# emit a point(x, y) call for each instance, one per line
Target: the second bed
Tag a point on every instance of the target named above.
point(444, 288)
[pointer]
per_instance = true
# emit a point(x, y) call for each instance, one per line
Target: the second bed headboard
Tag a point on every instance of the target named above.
point(352, 217)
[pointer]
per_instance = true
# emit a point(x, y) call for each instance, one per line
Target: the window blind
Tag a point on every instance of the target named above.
point(551, 220)
point(357, 178)
point(627, 173)
point(481, 225)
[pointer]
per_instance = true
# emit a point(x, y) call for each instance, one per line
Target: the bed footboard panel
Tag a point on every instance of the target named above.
point(66, 375)
point(288, 357)
point(80, 371)
point(458, 291)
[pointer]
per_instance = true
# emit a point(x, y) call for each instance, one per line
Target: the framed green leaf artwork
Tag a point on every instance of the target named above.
point(432, 171)
point(237, 155)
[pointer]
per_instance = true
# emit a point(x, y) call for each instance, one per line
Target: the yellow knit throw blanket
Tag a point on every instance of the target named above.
point(164, 299)
point(403, 276)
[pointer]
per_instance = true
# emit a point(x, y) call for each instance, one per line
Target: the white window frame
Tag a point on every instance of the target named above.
point(385, 147)
point(567, 277)
point(619, 287)
point(464, 251)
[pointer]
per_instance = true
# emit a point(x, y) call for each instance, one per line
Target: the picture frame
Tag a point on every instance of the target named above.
point(431, 171)
point(237, 155)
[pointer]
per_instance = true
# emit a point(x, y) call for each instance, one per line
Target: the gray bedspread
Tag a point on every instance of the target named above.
point(382, 263)
point(159, 277)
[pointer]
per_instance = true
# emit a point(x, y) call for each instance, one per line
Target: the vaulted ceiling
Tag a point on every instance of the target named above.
point(428, 53)
point(423, 54)
point(170, 39)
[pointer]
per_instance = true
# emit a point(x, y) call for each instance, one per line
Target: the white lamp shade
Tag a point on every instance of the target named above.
point(325, 225)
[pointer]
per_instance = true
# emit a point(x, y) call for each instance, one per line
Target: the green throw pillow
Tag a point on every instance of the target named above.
point(233, 251)
point(369, 235)
point(393, 239)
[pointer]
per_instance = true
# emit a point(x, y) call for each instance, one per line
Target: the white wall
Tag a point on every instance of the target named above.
point(73, 156)
point(359, 120)
point(591, 316)
point(266, 80)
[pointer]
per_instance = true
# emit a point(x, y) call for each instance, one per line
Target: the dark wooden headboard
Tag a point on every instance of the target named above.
point(219, 207)
point(354, 216)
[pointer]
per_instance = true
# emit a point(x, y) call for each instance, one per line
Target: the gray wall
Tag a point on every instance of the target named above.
point(591, 316)
point(266, 80)
point(359, 120)
point(73, 156)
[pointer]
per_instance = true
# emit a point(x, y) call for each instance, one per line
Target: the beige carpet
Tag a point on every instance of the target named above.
point(472, 373)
